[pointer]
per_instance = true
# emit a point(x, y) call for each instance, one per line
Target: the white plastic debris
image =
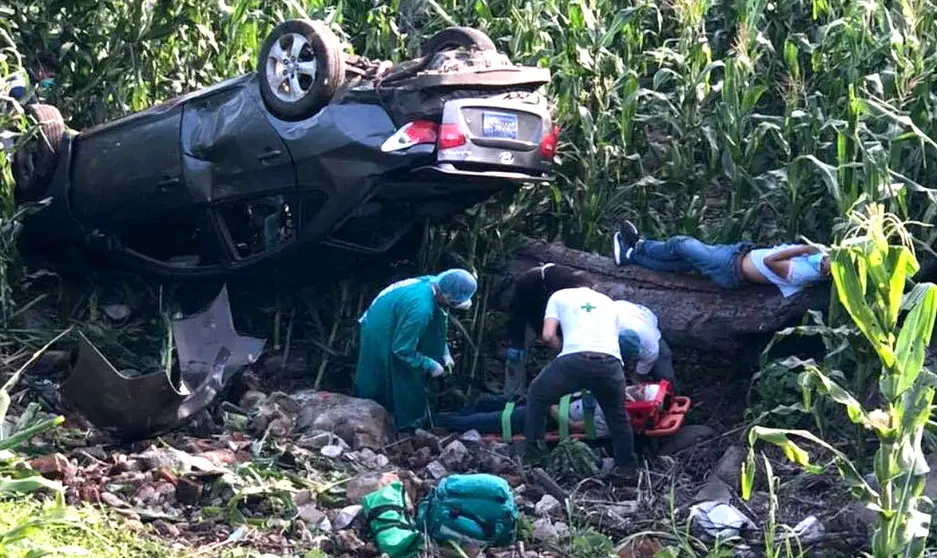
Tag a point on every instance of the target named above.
point(331, 451)
point(720, 520)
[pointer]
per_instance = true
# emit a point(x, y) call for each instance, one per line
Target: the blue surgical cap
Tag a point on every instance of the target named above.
point(629, 344)
point(457, 285)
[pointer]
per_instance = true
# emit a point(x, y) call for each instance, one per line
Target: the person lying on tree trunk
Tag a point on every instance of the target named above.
point(531, 290)
point(790, 267)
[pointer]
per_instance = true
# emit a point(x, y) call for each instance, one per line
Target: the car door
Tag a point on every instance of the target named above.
point(231, 151)
point(129, 169)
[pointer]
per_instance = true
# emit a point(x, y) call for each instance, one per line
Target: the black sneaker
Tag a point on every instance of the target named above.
point(622, 475)
point(625, 240)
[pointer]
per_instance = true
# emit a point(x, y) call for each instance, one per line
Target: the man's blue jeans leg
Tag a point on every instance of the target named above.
point(685, 253)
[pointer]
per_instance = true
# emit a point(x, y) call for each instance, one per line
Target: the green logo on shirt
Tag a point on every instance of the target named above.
point(587, 307)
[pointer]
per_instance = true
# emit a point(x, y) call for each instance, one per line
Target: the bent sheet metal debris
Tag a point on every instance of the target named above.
point(209, 352)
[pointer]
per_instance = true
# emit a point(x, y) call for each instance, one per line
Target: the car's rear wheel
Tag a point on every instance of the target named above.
point(300, 68)
point(457, 37)
point(35, 162)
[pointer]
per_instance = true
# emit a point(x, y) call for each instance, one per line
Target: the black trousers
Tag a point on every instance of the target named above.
point(599, 373)
point(663, 367)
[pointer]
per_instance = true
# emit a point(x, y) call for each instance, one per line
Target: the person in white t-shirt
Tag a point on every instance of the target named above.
point(789, 267)
point(590, 359)
point(638, 324)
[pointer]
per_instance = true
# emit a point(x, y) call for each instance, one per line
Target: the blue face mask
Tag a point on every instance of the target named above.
point(47, 83)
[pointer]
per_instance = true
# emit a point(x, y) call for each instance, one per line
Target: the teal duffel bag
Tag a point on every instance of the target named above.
point(473, 509)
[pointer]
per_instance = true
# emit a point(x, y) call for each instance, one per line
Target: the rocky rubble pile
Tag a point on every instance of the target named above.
point(300, 464)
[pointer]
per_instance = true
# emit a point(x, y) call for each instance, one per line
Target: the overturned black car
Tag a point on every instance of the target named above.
point(316, 149)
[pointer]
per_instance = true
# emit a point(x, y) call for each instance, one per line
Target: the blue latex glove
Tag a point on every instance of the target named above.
point(515, 355)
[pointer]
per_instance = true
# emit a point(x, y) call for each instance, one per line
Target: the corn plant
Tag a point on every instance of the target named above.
point(871, 267)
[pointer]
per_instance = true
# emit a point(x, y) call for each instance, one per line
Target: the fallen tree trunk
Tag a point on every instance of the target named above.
point(693, 312)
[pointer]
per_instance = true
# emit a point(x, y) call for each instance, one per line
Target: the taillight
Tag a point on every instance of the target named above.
point(450, 136)
point(548, 143)
point(410, 134)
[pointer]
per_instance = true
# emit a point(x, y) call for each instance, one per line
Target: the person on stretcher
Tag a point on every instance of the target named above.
point(486, 415)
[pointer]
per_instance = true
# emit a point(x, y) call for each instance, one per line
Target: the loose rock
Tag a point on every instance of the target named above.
point(346, 517)
point(362, 423)
point(809, 531)
point(544, 530)
point(436, 469)
point(729, 466)
point(548, 505)
point(54, 466)
point(310, 514)
point(454, 456)
point(423, 439)
point(715, 490)
point(472, 436)
point(188, 491)
point(366, 483)
point(113, 500)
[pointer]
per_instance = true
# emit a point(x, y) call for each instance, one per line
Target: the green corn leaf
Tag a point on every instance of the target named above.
point(913, 339)
point(852, 296)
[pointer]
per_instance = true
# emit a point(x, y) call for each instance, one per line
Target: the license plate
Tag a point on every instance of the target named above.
point(499, 125)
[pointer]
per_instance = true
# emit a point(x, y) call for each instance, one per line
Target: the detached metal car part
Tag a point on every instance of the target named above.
point(315, 148)
point(136, 407)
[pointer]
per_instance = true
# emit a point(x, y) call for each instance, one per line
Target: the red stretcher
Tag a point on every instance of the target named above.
point(661, 415)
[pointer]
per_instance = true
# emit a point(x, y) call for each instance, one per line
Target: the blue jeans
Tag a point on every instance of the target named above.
point(681, 254)
point(484, 416)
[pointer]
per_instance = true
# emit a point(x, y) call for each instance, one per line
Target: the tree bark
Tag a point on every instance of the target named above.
point(692, 311)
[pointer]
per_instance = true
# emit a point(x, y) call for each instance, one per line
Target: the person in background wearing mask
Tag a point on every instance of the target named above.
point(531, 290)
point(403, 342)
point(653, 358)
point(790, 267)
point(590, 358)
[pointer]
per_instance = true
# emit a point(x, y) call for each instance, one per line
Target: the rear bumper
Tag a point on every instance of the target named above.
point(445, 169)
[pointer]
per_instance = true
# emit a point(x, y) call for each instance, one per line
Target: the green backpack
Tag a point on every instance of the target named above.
point(474, 509)
point(388, 524)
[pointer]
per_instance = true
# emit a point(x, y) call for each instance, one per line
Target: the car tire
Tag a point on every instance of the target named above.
point(35, 162)
point(317, 70)
point(456, 37)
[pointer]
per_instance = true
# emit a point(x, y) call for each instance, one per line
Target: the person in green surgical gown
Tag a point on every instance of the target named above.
point(404, 342)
